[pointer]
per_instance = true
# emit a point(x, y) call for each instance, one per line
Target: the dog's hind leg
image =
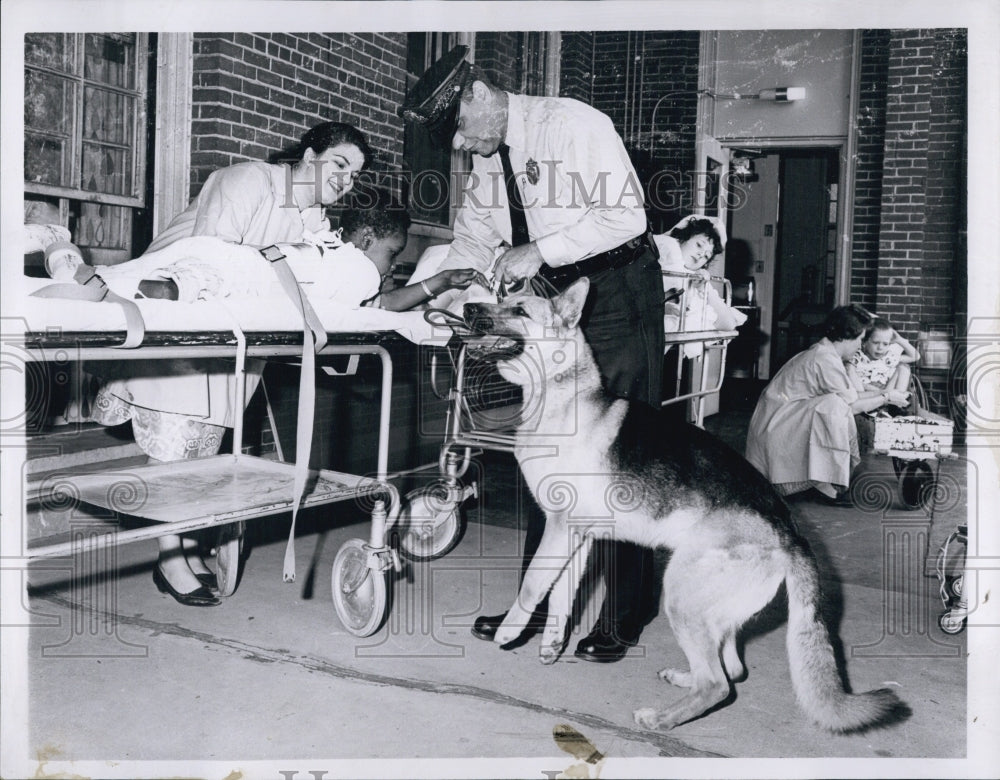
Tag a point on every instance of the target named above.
point(709, 594)
point(561, 599)
point(731, 657)
point(551, 557)
point(706, 681)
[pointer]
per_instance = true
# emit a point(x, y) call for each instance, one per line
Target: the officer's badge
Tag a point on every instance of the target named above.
point(531, 168)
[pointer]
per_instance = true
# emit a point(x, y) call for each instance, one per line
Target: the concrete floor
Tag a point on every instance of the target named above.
point(124, 681)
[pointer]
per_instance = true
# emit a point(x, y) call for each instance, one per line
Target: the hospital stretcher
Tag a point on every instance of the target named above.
point(223, 492)
point(483, 410)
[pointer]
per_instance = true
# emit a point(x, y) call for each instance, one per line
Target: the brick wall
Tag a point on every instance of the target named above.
point(632, 72)
point(499, 54)
point(911, 184)
point(576, 66)
point(868, 173)
point(256, 94)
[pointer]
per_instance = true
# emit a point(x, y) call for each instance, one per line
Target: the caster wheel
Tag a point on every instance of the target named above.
point(956, 586)
point(228, 555)
point(916, 484)
point(360, 594)
point(431, 525)
point(951, 624)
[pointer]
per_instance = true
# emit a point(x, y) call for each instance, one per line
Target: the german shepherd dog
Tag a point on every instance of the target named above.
point(598, 463)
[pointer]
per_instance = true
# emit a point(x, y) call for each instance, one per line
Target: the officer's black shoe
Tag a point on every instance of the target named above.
point(605, 647)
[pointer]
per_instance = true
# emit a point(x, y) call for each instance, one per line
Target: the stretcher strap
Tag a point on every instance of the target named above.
point(292, 289)
point(303, 444)
point(313, 339)
point(91, 287)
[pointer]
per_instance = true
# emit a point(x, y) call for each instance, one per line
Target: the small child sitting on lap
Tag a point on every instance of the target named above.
point(883, 361)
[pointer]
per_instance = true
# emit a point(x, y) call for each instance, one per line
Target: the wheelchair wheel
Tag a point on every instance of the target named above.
point(918, 394)
point(916, 484)
point(360, 593)
point(951, 623)
point(228, 556)
point(432, 524)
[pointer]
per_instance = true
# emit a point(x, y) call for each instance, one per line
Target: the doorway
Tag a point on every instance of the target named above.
point(783, 228)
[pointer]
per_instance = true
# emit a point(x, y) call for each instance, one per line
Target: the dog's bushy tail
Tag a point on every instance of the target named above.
point(815, 677)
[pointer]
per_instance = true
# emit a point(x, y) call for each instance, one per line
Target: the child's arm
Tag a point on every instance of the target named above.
point(852, 374)
point(910, 354)
point(405, 298)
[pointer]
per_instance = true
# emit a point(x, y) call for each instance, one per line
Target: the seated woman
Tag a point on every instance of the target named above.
point(803, 434)
point(883, 362)
point(687, 249)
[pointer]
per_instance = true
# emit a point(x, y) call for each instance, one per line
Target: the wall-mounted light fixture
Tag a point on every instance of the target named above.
point(776, 94)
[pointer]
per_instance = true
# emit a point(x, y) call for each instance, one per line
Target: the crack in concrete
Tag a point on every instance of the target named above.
point(666, 745)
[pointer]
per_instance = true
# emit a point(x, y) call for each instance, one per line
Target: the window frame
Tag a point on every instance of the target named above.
point(137, 198)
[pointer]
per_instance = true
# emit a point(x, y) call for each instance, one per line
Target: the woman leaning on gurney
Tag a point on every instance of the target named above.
point(694, 304)
point(181, 411)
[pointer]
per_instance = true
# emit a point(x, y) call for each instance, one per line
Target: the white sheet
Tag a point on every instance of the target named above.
point(273, 313)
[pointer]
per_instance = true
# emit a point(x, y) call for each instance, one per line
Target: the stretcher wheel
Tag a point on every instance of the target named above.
point(956, 585)
point(951, 623)
point(431, 523)
point(360, 594)
point(916, 484)
point(228, 555)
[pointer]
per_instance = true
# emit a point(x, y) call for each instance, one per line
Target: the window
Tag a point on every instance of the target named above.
point(85, 133)
point(429, 181)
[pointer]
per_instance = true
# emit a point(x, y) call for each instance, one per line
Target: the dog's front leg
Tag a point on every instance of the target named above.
point(561, 599)
point(554, 551)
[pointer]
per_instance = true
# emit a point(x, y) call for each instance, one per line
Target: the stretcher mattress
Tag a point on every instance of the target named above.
point(271, 315)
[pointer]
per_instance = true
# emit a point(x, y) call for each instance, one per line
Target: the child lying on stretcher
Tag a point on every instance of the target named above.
point(352, 266)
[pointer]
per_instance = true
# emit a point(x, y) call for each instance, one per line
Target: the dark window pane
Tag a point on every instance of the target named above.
point(110, 59)
point(104, 226)
point(106, 169)
point(107, 116)
point(50, 50)
point(46, 160)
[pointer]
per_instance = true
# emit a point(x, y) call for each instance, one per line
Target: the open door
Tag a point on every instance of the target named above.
point(711, 196)
point(711, 199)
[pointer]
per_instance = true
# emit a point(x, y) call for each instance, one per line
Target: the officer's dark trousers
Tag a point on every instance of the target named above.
point(623, 324)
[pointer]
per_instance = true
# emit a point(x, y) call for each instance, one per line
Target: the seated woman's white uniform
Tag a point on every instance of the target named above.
point(803, 433)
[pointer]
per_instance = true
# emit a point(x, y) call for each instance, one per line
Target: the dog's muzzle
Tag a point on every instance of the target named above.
point(482, 339)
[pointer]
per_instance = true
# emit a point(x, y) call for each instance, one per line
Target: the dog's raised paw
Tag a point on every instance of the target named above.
point(549, 654)
point(679, 677)
point(646, 717)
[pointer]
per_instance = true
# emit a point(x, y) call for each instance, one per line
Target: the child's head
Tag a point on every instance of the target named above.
point(379, 231)
point(877, 338)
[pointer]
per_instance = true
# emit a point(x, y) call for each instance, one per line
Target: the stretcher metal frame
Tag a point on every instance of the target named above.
point(433, 521)
point(361, 567)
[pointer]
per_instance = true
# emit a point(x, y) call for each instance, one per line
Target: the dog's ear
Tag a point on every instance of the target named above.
point(569, 305)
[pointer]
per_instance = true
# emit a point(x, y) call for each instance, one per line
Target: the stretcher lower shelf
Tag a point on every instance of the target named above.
point(220, 488)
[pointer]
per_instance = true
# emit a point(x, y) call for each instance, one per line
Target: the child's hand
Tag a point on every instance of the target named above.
point(898, 397)
point(457, 279)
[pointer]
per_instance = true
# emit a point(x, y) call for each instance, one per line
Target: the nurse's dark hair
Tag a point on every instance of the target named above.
point(699, 227)
point(322, 137)
point(846, 322)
